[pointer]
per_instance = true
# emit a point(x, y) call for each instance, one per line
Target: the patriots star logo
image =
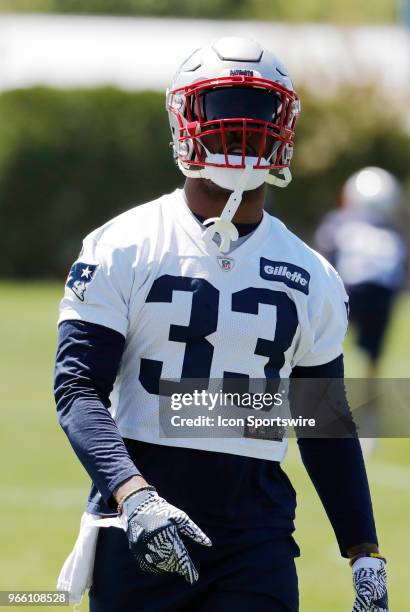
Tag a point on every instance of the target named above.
point(86, 272)
point(80, 276)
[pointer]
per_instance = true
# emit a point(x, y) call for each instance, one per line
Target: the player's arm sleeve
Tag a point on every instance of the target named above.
point(88, 357)
point(336, 467)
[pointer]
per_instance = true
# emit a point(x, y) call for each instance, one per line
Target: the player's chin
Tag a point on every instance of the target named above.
point(213, 189)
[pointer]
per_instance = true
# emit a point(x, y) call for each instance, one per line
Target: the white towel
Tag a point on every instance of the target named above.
point(77, 571)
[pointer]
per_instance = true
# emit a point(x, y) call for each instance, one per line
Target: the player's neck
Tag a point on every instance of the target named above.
point(207, 199)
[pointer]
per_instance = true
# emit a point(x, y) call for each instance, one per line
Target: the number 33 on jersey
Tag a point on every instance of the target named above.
point(186, 311)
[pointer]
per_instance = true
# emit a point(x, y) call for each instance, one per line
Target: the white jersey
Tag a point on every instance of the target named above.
point(188, 311)
point(363, 250)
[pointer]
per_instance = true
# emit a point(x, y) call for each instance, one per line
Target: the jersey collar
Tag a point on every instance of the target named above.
point(194, 229)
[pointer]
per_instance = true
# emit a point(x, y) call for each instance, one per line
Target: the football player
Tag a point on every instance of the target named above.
point(203, 284)
point(362, 241)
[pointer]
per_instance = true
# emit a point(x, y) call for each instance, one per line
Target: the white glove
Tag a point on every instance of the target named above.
point(370, 584)
point(153, 530)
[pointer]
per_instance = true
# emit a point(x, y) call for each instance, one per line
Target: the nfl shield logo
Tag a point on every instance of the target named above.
point(226, 263)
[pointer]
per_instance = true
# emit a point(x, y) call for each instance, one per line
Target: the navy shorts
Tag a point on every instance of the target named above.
point(245, 570)
point(370, 308)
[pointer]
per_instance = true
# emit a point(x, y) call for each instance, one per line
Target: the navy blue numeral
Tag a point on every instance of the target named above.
point(248, 301)
point(203, 322)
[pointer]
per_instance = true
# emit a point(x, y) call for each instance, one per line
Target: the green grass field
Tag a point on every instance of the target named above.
point(43, 487)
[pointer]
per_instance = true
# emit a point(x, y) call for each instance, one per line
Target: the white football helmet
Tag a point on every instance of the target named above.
point(373, 193)
point(232, 111)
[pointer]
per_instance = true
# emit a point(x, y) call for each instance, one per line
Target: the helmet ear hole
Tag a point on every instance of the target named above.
point(185, 148)
point(287, 154)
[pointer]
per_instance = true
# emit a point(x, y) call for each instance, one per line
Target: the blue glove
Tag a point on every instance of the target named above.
point(154, 528)
point(370, 584)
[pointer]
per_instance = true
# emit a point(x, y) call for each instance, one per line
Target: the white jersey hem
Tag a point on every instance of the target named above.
point(70, 314)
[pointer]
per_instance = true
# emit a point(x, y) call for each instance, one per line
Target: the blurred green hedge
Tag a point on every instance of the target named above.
point(70, 160)
point(347, 12)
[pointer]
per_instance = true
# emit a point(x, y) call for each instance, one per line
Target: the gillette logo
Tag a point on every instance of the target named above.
point(291, 275)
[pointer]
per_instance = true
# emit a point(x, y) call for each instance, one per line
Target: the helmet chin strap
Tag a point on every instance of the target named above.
point(228, 179)
point(223, 225)
point(280, 182)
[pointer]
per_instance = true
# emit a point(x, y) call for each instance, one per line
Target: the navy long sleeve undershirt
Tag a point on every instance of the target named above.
point(337, 471)
point(88, 358)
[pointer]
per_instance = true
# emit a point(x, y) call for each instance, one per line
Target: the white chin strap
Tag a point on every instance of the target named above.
point(236, 180)
point(223, 225)
point(280, 182)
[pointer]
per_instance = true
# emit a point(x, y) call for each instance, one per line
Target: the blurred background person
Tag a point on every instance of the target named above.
point(362, 240)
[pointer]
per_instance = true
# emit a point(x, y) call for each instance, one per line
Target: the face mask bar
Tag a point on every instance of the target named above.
point(274, 138)
point(194, 144)
point(224, 103)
